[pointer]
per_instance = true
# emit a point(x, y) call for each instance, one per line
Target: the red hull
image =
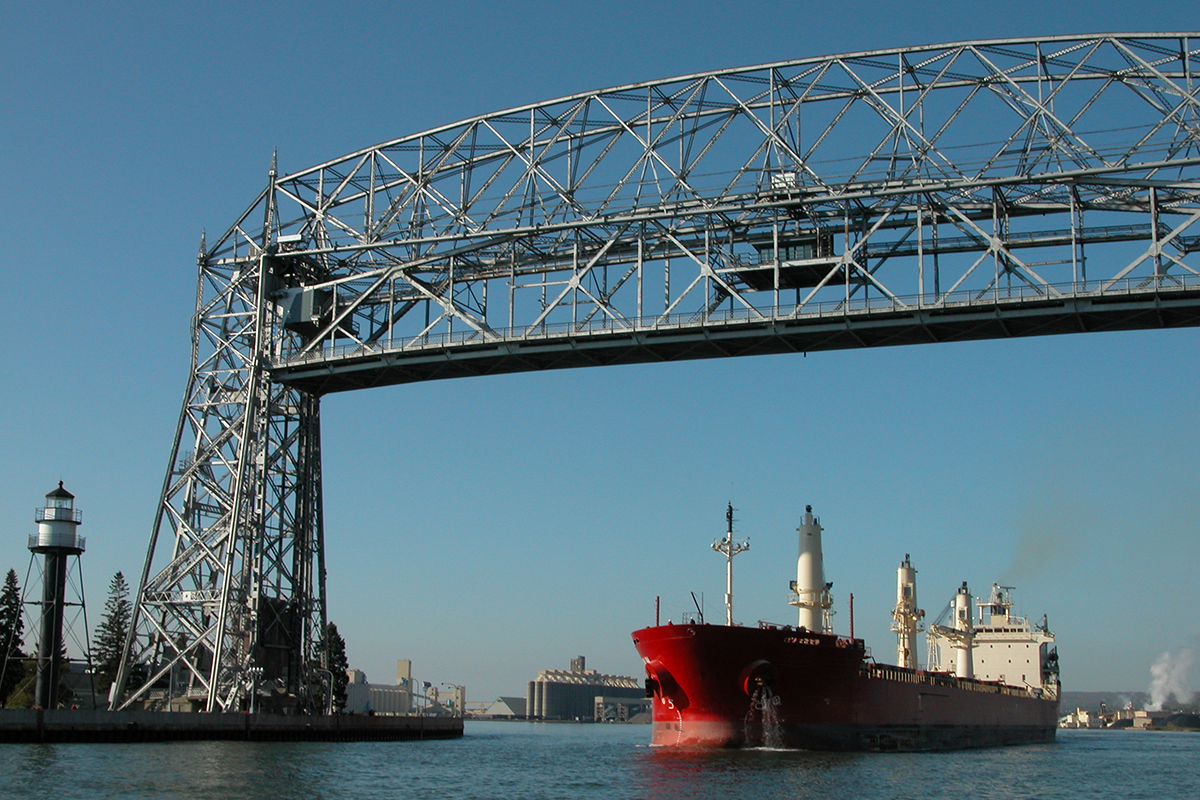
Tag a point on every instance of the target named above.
point(719, 686)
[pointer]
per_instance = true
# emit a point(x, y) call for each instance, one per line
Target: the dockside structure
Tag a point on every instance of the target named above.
point(38, 726)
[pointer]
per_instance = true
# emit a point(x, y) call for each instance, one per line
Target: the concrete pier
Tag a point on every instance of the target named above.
point(61, 725)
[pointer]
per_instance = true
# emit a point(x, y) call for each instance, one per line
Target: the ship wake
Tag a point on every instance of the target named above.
point(761, 725)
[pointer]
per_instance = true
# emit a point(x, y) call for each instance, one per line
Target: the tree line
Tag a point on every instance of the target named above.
point(18, 669)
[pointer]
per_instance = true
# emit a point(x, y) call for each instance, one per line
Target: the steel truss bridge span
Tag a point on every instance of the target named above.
point(961, 191)
point(870, 322)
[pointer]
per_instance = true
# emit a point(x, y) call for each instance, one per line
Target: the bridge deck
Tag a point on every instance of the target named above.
point(811, 328)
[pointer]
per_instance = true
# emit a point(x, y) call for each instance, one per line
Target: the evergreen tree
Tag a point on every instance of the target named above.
point(12, 630)
point(331, 655)
point(22, 695)
point(111, 632)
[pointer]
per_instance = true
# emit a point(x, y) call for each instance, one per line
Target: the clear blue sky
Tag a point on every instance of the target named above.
point(489, 528)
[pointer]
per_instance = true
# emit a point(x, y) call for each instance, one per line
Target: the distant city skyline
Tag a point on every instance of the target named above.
point(493, 527)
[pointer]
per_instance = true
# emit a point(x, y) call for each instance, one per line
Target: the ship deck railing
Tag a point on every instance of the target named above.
point(905, 675)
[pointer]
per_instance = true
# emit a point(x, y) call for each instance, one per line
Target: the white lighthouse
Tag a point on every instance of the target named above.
point(810, 591)
point(57, 539)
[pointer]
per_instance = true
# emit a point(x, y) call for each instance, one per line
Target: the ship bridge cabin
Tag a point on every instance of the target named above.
point(1009, 648)
point(1004, 647)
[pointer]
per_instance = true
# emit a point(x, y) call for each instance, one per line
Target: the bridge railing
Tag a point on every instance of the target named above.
point(814, 311)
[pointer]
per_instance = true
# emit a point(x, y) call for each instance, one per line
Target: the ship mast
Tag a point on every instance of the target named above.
point(962, 635)
point(810, 592)
point(729, 548)
point(965, 640)
point(907, 615)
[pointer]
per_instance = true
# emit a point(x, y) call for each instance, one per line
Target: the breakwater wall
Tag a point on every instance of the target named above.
point(62, 725)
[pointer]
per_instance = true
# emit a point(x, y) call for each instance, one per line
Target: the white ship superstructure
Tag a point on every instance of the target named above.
point(1010, 649)
point(1003, 647)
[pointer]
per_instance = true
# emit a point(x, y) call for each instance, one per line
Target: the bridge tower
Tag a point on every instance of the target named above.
point(232, 593)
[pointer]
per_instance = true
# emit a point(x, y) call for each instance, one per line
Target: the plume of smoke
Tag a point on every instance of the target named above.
point(1171, 674)
point(1048, 537)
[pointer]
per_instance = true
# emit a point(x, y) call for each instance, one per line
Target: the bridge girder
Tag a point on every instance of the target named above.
point(959, 191)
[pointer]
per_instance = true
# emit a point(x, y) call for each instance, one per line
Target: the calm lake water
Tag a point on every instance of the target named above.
point(501, 760)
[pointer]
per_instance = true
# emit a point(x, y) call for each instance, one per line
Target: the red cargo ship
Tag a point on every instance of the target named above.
point(804, 687)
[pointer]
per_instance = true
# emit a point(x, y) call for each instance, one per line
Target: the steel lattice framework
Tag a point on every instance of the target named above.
point(969, 190)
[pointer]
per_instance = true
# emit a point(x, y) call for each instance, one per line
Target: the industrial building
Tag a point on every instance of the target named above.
point(380, 698)
point(404, 697)
point(572, 694)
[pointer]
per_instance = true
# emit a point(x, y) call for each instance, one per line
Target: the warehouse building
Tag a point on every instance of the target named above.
point(571, 694)
point(380, 698)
